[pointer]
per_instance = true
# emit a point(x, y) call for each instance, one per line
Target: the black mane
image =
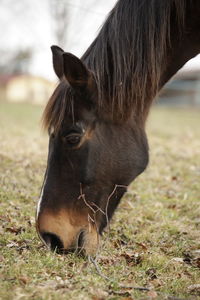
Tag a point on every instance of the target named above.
point(128, 52)
point(126, 59)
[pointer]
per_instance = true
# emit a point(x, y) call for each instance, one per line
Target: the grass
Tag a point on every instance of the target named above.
point(153, 237)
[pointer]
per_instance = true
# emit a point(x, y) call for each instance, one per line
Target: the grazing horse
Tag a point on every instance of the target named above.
point(96, 115)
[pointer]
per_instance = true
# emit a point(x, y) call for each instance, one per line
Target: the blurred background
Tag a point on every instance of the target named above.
point(161, 212)
point(28, 29)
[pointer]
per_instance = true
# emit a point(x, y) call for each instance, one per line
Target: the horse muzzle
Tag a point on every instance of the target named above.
point(66, 231)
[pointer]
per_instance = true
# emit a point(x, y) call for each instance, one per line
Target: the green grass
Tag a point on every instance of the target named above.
point(157, 222)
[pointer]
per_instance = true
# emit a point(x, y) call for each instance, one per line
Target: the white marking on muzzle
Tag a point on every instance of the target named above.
point(40, 199)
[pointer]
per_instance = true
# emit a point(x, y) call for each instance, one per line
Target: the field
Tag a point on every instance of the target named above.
point(154, 238)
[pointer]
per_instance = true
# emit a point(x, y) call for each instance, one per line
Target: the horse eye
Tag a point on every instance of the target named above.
point(73, 138)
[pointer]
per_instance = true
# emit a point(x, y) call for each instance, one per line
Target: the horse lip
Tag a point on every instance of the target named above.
point(50, 239)
point(64, 236)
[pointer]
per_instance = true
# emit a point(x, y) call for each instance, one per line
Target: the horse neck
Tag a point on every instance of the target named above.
point(182, 47)
point(188, 46)
point(128, 80)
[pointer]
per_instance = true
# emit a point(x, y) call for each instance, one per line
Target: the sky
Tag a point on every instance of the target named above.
point(28, 23)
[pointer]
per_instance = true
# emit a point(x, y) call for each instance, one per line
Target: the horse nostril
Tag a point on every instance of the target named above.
point(52, 241)
point(80, 240)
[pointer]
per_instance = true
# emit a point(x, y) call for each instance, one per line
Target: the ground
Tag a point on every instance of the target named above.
point(153, 240)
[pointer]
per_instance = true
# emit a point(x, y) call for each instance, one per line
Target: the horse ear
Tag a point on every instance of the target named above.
point(75, 71)
point(57, 53)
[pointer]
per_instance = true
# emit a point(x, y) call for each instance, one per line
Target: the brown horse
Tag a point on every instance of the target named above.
point(96, 116)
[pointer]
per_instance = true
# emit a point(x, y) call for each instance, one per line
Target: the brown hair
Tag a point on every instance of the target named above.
point(126, 59)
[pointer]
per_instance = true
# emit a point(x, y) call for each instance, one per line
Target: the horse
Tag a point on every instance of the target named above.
point(96, 116)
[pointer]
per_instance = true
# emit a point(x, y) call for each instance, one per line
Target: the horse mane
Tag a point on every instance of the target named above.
point(126, 58)
point(127, 55)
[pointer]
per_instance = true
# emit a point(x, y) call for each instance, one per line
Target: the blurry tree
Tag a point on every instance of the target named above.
point(15, 62)
point(59, 15)
point(15, 59)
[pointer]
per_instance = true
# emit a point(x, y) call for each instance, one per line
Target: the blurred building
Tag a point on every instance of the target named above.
point(182, 90)
point(25, 88)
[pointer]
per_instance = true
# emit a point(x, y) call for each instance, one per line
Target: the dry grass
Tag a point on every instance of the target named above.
point(153, 238)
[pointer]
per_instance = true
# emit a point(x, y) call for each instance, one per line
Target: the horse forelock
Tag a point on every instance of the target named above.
point(58, 105)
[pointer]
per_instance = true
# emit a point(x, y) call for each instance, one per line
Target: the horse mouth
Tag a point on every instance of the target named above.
point(55, 244)
point(65, 232)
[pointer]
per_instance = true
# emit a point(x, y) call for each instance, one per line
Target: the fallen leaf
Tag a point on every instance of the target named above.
point(144, 247)
point(56, 284)
point(192, 258)
point(106, 260)
point(12, 245)
point(15, 230)
point(194, 289)
point(157, 282)
point(24, 279)
point(99, 295)
point(152, 294)
point(177, 259)
point(122, 293)
point(151, 273)
point(172, 206)
point(132, 257)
